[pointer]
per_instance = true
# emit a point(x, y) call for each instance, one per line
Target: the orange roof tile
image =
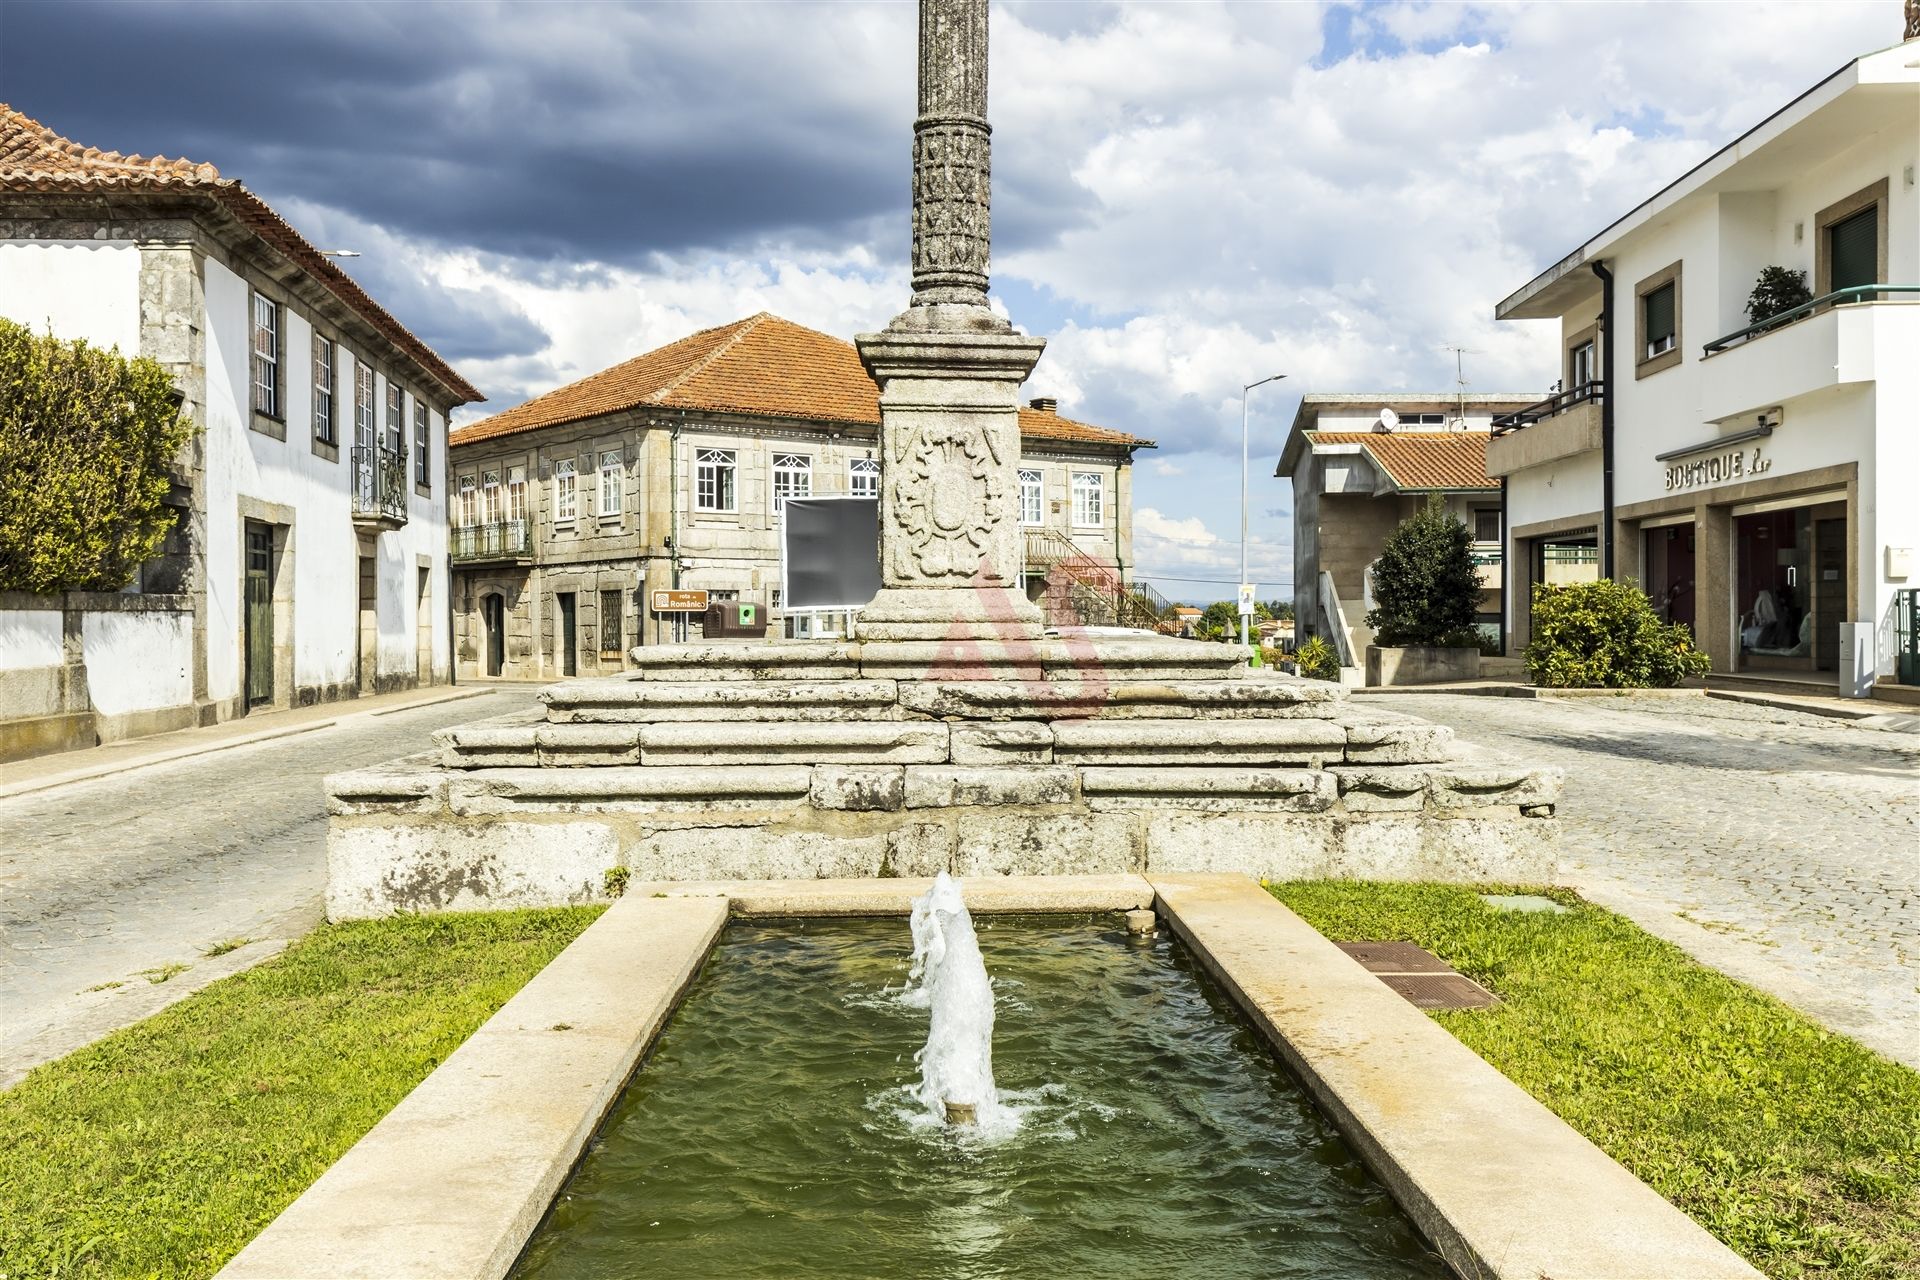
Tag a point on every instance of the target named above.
point(762, 366)
point(35, 159)
point(1422, 459)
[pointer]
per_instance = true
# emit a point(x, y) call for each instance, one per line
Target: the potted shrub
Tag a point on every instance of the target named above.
point(1426, 594)
point(1778, 290)
point(1605, 635)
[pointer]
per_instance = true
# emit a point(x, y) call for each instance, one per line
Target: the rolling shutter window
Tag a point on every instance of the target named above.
point(1853, 249)
point(1659, 305)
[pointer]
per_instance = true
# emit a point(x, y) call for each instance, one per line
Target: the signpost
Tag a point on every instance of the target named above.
point(679, 602)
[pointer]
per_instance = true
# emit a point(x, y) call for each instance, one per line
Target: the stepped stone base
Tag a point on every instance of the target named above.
point(892, 759)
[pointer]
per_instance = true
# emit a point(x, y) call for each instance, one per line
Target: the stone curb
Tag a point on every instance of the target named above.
point(1504, 1188)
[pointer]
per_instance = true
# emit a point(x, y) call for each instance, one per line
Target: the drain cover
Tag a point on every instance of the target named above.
point(1395, 957)
point(1426, 980)
point(1440, 990)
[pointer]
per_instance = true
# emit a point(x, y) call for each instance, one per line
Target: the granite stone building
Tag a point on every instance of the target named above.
point(308, 558)
point(670, 470)
point(1360, 463)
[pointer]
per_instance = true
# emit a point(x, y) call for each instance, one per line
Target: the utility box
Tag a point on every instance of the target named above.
point(733, 620)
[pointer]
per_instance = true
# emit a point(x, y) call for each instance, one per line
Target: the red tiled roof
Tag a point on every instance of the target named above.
point(1422, 459)
point(762, 366)
point(35, 159)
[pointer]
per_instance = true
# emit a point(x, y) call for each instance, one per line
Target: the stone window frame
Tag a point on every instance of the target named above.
point(1032, 485)
point(271, 420)
point(326, 445)
point(1097, 507)
point(609, 512)
point(566, 497)
point(725, 465)
point(1573, 342)
point(1645, 365)
point(422, 448)
point(1872, 196)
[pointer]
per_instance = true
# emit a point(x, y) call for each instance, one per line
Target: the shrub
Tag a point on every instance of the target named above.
point(1316, 660)
point(1424, 584)
point(1605, 635)
point(86, 440)
point(1778, 289)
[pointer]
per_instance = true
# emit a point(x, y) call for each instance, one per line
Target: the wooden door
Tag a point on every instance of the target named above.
point(493, 614)
point(569, 636)
point(259, 616)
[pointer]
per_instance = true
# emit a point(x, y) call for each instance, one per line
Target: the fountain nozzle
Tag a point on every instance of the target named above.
point(961, 1112)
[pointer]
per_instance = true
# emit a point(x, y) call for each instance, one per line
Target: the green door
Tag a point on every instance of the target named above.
point(259, 617)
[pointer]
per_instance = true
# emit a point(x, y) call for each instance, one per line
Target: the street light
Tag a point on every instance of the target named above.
point(1245, 614)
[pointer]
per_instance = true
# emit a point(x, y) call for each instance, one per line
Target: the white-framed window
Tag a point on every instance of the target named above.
point(516, 493)
point(326, 418)
point(267, 346)
point(792, 478)
point(1089, 499)
point(490, 497)
point(610, 477)
point(1032, 497)
point(363, 428)
point(396, 418)
point(465, 511)
point(713, 480)
point(566, 493)
point(1580, 370)
point(422, 445)
point(863, 477)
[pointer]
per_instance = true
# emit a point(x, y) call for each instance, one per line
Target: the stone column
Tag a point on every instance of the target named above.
point(949, 372)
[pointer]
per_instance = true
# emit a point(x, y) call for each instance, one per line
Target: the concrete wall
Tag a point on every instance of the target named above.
point(91, 667)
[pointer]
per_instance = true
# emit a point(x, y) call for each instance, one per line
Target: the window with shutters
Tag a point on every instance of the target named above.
point(863, 477)
point(1032, 505)
point(1661, 332)
point(1486, 524)
point(1850, 243)
point(1657, 322)
point(713, 488)
point(792, 478)
point(566, 495)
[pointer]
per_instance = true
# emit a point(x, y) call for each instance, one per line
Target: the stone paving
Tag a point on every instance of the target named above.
point(104, 879)
point(1778, 846)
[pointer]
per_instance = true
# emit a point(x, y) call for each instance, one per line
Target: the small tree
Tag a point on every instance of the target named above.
point(1777, 290)
point(1425, 587)
point(1221, 621)
point(1316, 660)
point(86, 439)
point(1605, 635)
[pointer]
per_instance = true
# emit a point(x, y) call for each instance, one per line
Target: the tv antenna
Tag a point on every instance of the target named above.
point(1460, 382)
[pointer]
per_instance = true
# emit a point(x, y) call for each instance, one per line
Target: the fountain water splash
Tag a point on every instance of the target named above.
point(949, 980)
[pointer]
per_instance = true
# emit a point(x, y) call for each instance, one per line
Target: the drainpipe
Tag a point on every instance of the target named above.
point(1606, 418)
point(1506, 577)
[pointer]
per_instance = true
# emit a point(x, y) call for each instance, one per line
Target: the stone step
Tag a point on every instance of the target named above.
point(850, 742)
point(1249, 698)
point(1123, 789)
point(618, 701)
point(1245, 742)
point(1084, 661)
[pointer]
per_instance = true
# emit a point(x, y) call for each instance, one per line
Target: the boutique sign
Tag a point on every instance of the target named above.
point(1718, 468)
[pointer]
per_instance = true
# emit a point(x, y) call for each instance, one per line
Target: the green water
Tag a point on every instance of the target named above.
point(770, 1133)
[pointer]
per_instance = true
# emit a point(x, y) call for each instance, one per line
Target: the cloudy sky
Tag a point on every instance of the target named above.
point(1186, 196)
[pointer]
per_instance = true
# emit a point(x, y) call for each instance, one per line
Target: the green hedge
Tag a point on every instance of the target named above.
point(87, 437)
point(1605, 635)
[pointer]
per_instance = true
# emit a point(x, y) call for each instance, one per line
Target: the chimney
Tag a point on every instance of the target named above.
point(1047, 404)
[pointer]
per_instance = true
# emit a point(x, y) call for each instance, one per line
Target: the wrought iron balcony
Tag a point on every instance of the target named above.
point(496, 540)
point(380, 488)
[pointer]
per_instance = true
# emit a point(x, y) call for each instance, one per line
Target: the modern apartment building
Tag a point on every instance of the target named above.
point(308, 559)
point(1757, 479)
point(1361, 462)
point(670, 471)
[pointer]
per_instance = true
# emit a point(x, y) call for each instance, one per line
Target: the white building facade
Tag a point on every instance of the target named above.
point(1757, 480)
point(309, 556)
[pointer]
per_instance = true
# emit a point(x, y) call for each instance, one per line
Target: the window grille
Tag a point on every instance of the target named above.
point(713, 488)
point(1089, 499)
point(1031, 498)
point(266, 356)
point(610, 606)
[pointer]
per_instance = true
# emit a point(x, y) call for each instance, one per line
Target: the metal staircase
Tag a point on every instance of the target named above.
point(1083, 592)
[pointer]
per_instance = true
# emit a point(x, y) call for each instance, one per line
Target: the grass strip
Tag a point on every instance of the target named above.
point(164, 1148)
point(1796, 1146)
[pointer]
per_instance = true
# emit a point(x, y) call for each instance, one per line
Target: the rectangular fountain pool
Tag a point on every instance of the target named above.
point(775, 1130)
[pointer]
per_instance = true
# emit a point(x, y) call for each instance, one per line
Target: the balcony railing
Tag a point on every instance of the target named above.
point(379, 485)
point(1587, 391)
point(497, 540)
point(1838, 298)
point(1486, 554)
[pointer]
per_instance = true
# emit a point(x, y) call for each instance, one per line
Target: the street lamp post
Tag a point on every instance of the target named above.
point(1245, 614)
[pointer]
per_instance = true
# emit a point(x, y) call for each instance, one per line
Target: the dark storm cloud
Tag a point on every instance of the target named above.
point(550, 132)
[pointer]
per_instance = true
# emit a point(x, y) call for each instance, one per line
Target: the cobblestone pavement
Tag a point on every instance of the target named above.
point(104, 879)
point(1779, 846)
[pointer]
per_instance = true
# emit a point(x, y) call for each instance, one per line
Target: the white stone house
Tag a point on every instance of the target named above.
point(1757, 481)
point(668, 471)
point(1362, 462)
point(309, 556)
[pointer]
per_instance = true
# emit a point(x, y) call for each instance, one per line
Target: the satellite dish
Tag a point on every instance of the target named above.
point(1388, 420)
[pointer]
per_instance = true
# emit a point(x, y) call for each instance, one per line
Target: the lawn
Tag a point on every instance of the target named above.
point(1795, 1146)
point(164, 1148)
